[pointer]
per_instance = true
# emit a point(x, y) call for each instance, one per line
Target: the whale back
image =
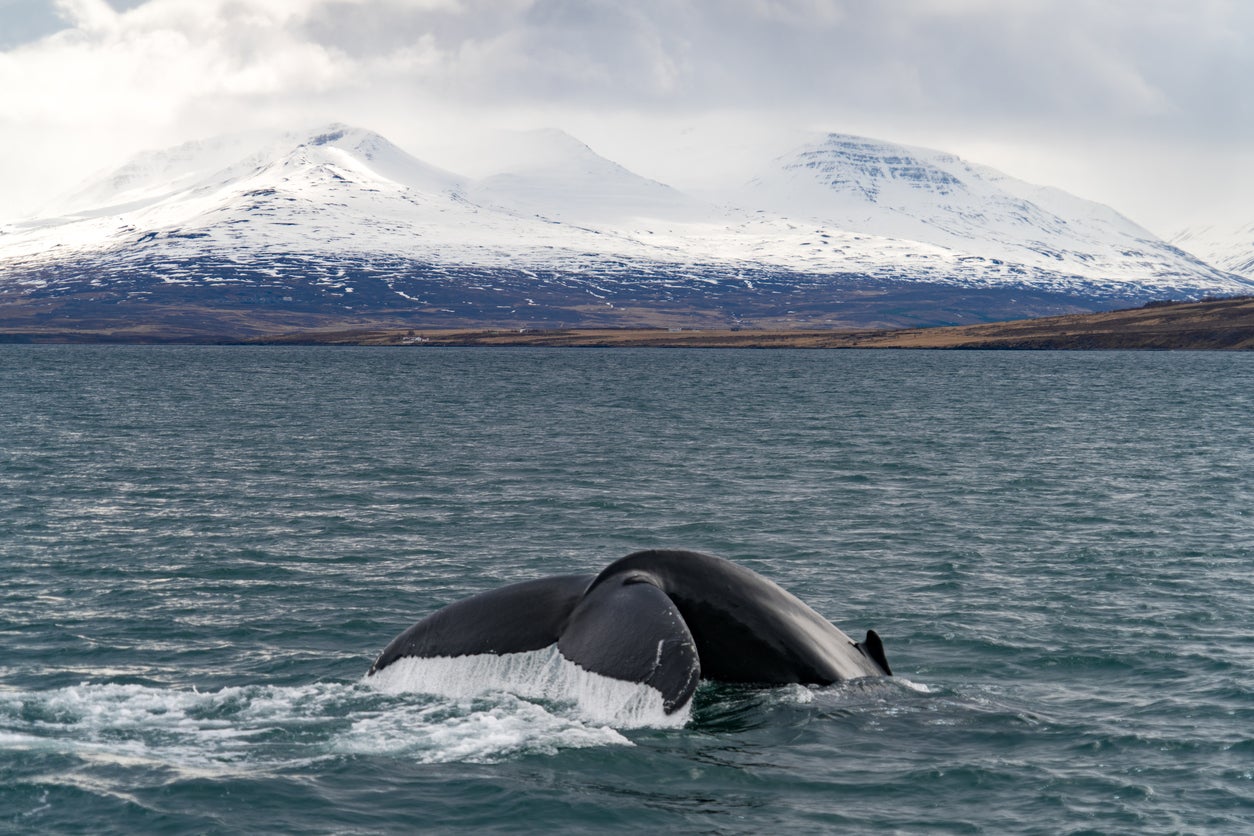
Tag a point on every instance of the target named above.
point(747, 628)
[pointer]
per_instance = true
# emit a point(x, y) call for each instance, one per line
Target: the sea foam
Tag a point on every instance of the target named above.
point(260, 729)
point(540, 675)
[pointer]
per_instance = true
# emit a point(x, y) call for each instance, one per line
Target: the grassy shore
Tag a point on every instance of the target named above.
point(1212, 324)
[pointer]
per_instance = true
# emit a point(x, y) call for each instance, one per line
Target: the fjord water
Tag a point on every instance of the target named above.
point(203, 548)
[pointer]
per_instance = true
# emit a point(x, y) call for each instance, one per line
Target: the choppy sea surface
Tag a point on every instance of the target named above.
point(202, 549)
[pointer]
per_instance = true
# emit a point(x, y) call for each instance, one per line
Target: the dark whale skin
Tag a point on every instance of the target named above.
point(660, 617)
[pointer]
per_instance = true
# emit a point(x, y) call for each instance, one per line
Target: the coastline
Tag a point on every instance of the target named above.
point(1217, 324)
point(1212, 324)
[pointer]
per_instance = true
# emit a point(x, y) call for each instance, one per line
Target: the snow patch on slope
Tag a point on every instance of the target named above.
point(1228, 247)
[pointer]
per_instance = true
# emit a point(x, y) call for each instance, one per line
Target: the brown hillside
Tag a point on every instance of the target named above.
point(1226, 324)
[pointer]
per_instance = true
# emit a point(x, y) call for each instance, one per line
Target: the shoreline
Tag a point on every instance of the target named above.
point(1219, 324)
point(1213, 324)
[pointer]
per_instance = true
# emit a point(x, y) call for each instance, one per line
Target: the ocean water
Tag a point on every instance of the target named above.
point(202, 549)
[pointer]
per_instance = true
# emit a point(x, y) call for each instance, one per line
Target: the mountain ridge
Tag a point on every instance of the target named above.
point(337, 221)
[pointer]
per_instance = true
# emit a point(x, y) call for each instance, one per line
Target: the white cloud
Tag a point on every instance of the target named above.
point(87, 15)
point(1033, 82)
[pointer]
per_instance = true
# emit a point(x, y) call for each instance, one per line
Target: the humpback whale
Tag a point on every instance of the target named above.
point(665, 619)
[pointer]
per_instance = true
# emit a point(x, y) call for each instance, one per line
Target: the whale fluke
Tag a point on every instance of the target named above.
point(630, 630)
point(661, 618)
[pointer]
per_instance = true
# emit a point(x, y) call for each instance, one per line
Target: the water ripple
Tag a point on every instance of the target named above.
point(201, 550)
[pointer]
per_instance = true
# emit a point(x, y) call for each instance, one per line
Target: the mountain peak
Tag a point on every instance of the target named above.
point(551, 173)
point(865, 167)
point(372, 152)
point(221, 162)
point(936, 198)
point(330, 134)
point(335, 214)
point(361, 141)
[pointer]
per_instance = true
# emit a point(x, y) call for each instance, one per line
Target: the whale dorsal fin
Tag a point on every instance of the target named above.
point(873, 647)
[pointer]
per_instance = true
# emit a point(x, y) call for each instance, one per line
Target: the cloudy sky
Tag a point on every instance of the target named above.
point(1147, 105)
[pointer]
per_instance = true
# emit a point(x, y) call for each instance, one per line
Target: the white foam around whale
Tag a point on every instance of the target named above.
point(116, 734)
point(540, 675)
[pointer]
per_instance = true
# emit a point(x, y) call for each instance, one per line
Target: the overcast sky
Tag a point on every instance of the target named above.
point(1147, 105)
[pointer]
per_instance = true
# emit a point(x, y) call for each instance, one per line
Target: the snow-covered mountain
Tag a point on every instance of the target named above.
point(339, 219)
point(551, 174)
point(977, 213)
point(1228, 247)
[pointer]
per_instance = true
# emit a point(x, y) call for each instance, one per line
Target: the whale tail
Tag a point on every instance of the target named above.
point(622, 629)
point(660, 618)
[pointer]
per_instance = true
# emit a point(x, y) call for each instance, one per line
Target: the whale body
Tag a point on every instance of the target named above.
point(666, 619)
